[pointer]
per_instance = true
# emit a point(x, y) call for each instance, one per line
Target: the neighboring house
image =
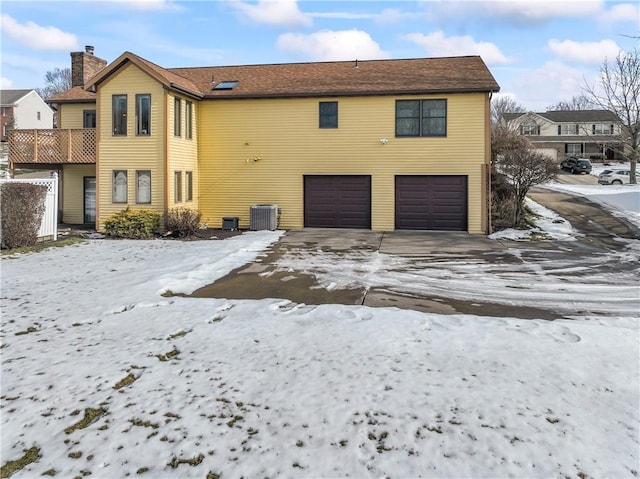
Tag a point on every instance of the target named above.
point(593, 134)
point(23, 109)
point(383, 144)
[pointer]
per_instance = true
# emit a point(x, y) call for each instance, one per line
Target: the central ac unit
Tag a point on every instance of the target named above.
point(263, 217)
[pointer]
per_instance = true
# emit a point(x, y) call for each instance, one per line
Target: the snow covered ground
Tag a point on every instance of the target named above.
point(105, 375)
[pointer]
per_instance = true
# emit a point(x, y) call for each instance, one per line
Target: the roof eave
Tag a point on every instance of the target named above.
point(442, 91)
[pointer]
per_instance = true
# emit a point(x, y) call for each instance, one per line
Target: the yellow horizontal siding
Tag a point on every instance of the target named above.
point(183, 152)
point(73, 192)
point(131, 152)
point(257, 151)
point(71, 115)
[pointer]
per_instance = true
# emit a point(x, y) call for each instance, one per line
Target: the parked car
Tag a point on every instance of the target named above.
point(576, 165)
point(616, 177)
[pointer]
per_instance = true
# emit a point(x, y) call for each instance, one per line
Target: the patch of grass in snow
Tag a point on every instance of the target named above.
point(75, 455)
point(90, 416)
point(167, 294)
point(142, 470)
point(179, 334)
point(129, 379)
point(213, 475)
point(167, 356)
point(29, 330)
point(141, 423)
point(194, 461)
point(9, 467)
point(41, 247)
point(49, 472)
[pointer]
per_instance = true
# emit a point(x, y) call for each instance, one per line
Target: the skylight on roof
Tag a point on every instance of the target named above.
point(226, 85)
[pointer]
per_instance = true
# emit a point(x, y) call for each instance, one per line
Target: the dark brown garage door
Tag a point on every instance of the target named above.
point(431, 203)
point(337, 201)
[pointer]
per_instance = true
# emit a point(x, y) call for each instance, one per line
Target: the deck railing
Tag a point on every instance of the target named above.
point(56, 146)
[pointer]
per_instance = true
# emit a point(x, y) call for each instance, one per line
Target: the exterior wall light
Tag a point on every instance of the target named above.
point(384, 141)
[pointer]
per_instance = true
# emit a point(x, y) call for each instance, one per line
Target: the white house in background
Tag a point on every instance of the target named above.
point(26, 108)
point(593, 134)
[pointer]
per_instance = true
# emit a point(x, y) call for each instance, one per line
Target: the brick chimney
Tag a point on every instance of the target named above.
point(85, 65)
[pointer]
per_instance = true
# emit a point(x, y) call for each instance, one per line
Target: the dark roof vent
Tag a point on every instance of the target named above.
point(89, 49)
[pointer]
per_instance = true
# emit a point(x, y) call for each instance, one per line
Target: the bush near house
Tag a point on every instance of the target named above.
point(22, 209)
point(133, 224)
point(502, 202)
point(182, 222)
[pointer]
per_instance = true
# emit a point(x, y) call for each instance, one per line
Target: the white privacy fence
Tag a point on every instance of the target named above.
point(49, 225)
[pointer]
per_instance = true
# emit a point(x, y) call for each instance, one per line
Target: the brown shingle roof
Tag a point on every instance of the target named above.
point(419, 75)
point(77, 94)
point(162, 75)
point(374, 77)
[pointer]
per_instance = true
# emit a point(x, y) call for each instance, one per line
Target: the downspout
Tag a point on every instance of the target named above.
point(167, 177)
point(97, 169)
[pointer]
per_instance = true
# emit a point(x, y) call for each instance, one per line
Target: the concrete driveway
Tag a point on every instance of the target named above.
point(450, 273)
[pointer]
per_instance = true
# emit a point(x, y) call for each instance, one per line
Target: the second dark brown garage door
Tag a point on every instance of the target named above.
point(337, 201)
point(431, 203)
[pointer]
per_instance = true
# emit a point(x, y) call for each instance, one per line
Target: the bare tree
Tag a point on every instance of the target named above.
point(513, 157)
point(577, 103)
point(56, 81)
point(619, 92)
point(502, 104)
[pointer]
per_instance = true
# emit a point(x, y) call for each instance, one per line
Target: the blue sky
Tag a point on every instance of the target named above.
point(539, 51)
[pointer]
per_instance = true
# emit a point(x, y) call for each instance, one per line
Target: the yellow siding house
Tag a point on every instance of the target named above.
point(382, 145)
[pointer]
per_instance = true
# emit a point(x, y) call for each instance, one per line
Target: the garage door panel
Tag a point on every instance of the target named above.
point(431, 202)
point(337, 201)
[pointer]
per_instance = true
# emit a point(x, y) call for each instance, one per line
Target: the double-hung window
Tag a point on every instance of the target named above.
point(328, 114)
point(421, 117)
point(188, 186)
point(143, 114)
point(177, 186)
point(119, 182)
point(602, 129)
point(188, 120)
point(177, 117)
point(119, 108)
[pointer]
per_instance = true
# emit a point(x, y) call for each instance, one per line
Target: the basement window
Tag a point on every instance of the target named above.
point(226, 85)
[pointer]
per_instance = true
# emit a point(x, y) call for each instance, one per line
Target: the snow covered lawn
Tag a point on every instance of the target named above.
point(104, 375)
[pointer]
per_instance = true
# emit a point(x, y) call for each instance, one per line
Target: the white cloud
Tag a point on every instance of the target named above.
point(5, 83)
point(590, 53)
point(36, 36)
point(521, 12)
point(436, 44)
point(281, 12)
point(621, 13)
point(332, 46)
point(550, 83)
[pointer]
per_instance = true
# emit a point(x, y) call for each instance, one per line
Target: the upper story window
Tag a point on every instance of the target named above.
point(421, 117)
point(177, 117)
point(530, 128)
point(328, 114)
point(602, 129)
point(119, 106)
point(88, 118)
point(38, 116)
point(188, 119)
point(5, 111)
point(568, 130)
point(143, 114)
